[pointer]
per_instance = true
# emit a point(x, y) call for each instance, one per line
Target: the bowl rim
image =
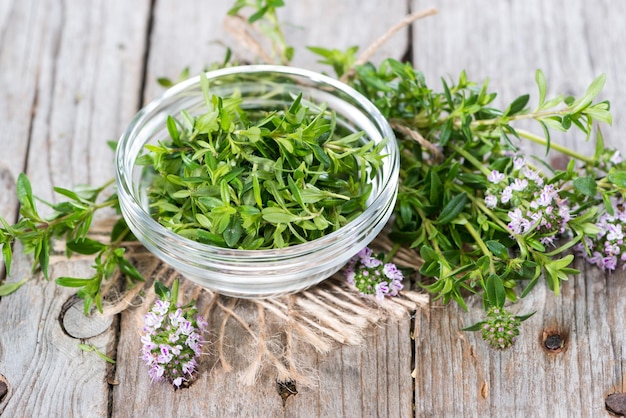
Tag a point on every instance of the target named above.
point(126, 189)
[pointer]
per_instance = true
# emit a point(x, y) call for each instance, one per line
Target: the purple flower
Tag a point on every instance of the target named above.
point(533, 175)
point(371, 262)
point(609, 263)
point(496, 177)
point(491, 201)
point(392, 272)
point(616, 158)
point(382, 289)
point(167, 354)
point(371, 276)
point(178, 381)
point(519, 185)
point(507, 194)
point(161, 307)
point(608, 245)
point(518, 222)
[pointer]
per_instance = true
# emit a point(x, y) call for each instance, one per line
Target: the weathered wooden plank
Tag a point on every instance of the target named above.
point(66, 70)
point(193, 37)
point(19, 54)
point(572, 42)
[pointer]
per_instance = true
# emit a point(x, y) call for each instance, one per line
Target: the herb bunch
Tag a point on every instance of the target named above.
point(482, 218)
point(259, 179)
point(173, 339)
point(70, 221)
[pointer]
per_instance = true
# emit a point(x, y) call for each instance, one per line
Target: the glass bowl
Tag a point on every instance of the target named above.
point(267, 272)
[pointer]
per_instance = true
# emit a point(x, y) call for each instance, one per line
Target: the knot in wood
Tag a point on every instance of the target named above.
point(76, 325)
point(4, 388)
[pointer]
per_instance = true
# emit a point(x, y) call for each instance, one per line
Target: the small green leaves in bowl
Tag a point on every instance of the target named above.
point(258, 178)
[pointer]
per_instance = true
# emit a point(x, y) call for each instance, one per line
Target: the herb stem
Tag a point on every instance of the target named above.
point(483, 208)
point(560, 148)
point(392, 252)
point(469, 157)
point(481, 244)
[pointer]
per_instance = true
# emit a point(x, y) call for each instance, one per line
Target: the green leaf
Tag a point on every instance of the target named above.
point(276, 215)
point(586, 185)
point(172, 129)
point(162, 291)
point(258, 15)
point(498, 249)
point(618, 178)
point(105, 357)
point(129, 270)
point(494, 289)
point(233, 232)
point(592, 91)
point(7, 255)
point(72, 282)
point(540, 79)
point(476, 327)
point(452, 209)
point(85, 246)
point(67, 193)
point(24, 191)
point(121, 231)
point(204, 85)
point(165, 82)
point(44, 257)
point(517, 105)
point(522, 318)
point(8, 288)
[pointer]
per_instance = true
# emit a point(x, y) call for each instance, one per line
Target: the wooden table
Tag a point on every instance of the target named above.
point(73, 73)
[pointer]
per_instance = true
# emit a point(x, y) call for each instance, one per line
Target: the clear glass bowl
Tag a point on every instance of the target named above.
point(256, 273)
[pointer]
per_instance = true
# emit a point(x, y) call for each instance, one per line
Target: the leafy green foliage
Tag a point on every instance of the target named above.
point(263, 14)
point(70, 220)
point(259, 179)
point(467, 246)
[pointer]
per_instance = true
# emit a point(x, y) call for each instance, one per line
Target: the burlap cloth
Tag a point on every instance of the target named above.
point(251, 337)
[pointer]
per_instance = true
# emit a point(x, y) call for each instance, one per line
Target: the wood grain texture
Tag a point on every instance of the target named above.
point(572, 42)
point(73, 79)
point(70, 74)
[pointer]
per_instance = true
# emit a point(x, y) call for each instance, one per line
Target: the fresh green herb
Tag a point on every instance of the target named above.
point(484, 219)
point(259, 179)
point(265, 17)
point(89, 348)
point(71, 221)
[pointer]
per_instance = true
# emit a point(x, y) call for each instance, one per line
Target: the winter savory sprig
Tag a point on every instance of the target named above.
point(483, 219)
point(371, 275)
point(173, 338)
point(70, 221)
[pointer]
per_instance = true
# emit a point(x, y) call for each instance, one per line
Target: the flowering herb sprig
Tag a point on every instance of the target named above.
point(173, 338)
point(371, 275)
point(483, 219)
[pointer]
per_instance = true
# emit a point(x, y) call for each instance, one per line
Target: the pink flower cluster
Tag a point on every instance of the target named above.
point(607, 250)
point(535, 207)
point(501, 328)
point(172, 342)
point(371, 276)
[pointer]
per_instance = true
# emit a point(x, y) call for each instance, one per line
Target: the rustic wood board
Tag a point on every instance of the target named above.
point(572, 42)
point(66, 72)
point(76, 76)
